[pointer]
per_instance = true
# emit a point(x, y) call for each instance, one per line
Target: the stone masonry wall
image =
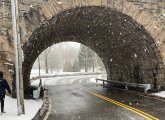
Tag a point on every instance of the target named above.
point(149, 13)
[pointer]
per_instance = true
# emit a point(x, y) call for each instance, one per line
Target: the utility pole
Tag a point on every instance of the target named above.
point(18, 59)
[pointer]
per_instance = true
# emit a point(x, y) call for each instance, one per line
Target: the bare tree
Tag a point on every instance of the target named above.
point(57, 56)
point(46, 53)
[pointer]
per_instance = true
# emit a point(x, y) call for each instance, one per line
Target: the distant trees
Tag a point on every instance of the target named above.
point(89, 60)
point(69, 57)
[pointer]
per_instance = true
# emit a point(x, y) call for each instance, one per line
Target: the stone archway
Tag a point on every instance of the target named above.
point(118, 39)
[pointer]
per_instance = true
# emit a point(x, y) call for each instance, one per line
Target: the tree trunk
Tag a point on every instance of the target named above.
point(93, 65)
point(86, 69)
point(46, 63)
point(51, 69)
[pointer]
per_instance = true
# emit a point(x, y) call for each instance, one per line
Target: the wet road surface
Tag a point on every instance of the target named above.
point(75, 98)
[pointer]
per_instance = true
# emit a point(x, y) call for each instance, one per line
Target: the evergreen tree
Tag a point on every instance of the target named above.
point(76, 67)
point(100, 64)
point(86, 58)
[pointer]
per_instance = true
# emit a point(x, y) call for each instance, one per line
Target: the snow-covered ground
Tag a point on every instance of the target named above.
point(57, 81)
point(35, 73)
point(160, 94)
point(31, 108)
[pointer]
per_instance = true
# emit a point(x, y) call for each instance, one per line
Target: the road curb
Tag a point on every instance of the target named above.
point(48, 112)
point(43, 111)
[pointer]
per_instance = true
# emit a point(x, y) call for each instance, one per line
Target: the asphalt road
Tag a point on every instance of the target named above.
point(75, 98)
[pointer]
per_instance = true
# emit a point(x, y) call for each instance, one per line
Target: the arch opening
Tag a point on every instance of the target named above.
point(67, 58)
point(127, 50)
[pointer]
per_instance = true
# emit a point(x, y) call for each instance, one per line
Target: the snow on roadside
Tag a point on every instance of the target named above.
point(36, 82)
point(93, 80)
point(54, 81)
point(47, 81)
point(31, 108)
point(160, 94)
point(35, 73)
point(102, 76)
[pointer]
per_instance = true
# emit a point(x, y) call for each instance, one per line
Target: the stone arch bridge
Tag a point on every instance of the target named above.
point(128, 39)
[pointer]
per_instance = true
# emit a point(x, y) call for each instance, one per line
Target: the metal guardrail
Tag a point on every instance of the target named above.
point(145, 87)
